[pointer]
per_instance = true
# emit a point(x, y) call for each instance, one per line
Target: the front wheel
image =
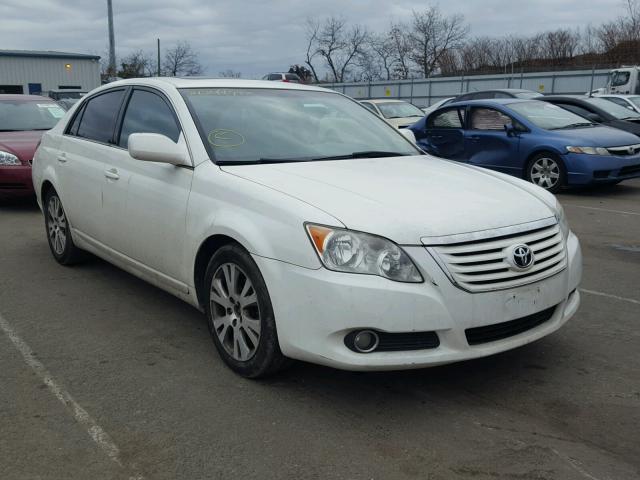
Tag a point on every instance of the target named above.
point(547, 171)
point(240, 315)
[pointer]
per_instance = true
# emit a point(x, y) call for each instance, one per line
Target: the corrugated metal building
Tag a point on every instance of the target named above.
point(35, 72)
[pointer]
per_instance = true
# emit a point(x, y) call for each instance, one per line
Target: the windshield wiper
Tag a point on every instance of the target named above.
point(574, 125)
point(363, 154)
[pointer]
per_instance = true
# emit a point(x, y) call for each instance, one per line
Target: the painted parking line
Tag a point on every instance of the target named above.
point(95, 431)
point(608, 210)
point(609, 295)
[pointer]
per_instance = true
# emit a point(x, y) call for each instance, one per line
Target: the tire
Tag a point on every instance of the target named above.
point(547, 171)
point(56, 224)
point(240, 314)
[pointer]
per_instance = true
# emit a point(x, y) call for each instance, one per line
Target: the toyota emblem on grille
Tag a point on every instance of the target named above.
point(522, 256)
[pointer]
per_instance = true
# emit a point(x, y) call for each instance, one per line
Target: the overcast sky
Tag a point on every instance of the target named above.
point(257, 36)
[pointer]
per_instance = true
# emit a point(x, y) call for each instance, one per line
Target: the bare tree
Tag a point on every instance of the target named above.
point(312, 31)
point(402, 47)
point(382, 47)
point(560, 44)
point(136, 64)
point(432, 34)
point(230, 74)
point(181, 60)
point(339, 45)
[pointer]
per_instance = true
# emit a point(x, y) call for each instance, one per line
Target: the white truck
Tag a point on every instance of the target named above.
point(622, 81)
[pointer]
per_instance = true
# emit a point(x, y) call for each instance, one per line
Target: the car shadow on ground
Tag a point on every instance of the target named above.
point(608, 191)
point(18, 204)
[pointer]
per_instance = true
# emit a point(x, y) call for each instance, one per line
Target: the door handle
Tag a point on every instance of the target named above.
point(112, 174)
point(475, 138)
point(436, 137)
point(62, 158)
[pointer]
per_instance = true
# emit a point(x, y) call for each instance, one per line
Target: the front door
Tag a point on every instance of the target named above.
point(145, 203)
point(487, 143)
point(444, 134)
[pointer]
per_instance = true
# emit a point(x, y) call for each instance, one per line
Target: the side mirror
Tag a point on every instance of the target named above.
point(510, 130)
point(594, 117)
point(408, 134)
point(153, 147)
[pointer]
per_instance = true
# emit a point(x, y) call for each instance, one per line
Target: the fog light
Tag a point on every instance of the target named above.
point(365, 341)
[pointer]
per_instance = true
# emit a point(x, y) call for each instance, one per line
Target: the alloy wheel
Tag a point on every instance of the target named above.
point(235, 311)
point(57, 225)
point(545, 172)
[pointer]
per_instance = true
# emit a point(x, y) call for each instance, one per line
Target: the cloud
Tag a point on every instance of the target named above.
point(257, 36)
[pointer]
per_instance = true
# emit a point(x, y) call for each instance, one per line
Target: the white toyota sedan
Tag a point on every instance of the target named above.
point(304, 226)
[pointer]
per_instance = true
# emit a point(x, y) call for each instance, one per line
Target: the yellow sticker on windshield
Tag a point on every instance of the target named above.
point(222, 137)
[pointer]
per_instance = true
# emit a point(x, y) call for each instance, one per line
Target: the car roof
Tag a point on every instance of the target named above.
point(490, 101)
point(24, 98)
point(384, 100)
point(507, 90)
point(567, 97)
point(206, 82)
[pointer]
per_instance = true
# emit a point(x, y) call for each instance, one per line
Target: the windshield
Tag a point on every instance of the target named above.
point(528, 95)
point(240, 125)
point(20, 115)
point(613, 108)
point(548, 116)
point(399, 110)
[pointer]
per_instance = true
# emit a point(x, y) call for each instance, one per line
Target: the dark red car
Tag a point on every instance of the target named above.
point(23, 120)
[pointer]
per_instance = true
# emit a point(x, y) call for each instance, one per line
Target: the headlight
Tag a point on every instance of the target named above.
point(589, 150)
point(344, 250)
point(562, 220)
point(7, 158)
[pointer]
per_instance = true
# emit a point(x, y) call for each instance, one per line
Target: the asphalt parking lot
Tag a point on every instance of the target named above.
point(106, 377)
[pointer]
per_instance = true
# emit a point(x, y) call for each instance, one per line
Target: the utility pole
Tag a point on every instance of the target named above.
point(158, 57)
point(112, 41)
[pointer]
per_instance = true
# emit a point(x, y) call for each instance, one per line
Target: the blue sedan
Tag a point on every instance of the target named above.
point(538, 141)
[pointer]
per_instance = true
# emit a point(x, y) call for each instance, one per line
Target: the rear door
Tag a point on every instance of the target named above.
point(444, 133)
point(145, 203)
point(84, 149)
point(486, 142)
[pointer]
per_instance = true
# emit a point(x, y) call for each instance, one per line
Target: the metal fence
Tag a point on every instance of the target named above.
point(426, 91)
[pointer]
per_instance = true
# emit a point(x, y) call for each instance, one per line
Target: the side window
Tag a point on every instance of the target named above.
point(73, 128)
point(501, 95)
point(148, 113)
point(488, 119)
point(275, 76)
point(99, 116)
point(583, 112)
point(483, 95)
point(619, 101)
point(451, 118)
point(370, 107)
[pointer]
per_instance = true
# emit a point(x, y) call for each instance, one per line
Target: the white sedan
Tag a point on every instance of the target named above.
point(304, 226)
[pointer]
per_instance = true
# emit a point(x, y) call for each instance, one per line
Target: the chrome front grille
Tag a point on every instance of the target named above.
point(487, 263)
point(625, 150)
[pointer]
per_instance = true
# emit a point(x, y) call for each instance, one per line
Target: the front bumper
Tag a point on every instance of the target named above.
point(589, 169)
point(315, 309)
point(15, 181)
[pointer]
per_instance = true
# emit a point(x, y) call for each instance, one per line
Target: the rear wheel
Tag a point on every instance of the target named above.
point(241, 319)
point(58, 232)
point(547, 171)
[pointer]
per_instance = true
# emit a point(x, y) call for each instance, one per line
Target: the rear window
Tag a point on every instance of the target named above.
point(98, 120)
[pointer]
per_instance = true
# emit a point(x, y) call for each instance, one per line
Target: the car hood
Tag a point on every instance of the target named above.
point(21, 144)
point(403, 198)
point(600, 136)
